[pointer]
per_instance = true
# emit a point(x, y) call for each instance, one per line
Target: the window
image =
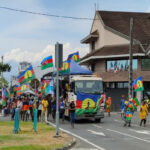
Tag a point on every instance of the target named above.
point(145, 64)
point(121, 65)
point(93, 45)
point(93, 67)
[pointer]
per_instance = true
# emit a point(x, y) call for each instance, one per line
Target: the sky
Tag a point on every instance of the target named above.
point(27, 37)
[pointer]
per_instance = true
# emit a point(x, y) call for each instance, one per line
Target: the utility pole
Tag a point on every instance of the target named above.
point(130, 58)
point(58, 64)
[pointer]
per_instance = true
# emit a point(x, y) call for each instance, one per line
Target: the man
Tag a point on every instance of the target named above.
point(49, 97)
point(72, 113)
point(122, 105)
point(62, 109)
point(25, 109)
point(31, 106)
point(44, 109)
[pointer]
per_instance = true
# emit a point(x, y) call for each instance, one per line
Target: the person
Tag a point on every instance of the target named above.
point(143, 113)
point(14, 105)
point(108, 105)
point(122, 105)
point(49, 97)
point(31, 106)
point(39, 110)
point(54, 108)
point(25, 109)
point(72, 113)
point(44, 109)
point(62, 109)
point(129, 110)
point(19, 105)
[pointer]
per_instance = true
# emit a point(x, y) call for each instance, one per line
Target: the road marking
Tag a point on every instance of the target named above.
point(141, 131)
point(125, 134)
point(97, 126)
point(97, 133)
point(135, 125)
point(77, 136)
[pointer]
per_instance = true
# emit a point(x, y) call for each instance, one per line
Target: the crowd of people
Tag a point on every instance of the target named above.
point(46, 108)
point(128, 108)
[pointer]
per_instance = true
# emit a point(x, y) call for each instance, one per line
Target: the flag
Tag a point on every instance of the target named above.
point(50, 88)
point(4, 96)
point(135, 102)
point(27, 75)
point(47, 62)
point(87, 103)
point(18, 90)
point(74, 56)
point(24, 87)
point(138, 84)
point(65, 69)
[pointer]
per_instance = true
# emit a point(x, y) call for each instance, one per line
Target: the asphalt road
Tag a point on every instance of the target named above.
point(110, 134)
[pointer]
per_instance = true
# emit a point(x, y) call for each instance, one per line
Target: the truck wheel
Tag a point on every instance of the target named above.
point(98, 120)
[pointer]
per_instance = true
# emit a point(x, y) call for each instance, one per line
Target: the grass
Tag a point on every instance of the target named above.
point(27, 139)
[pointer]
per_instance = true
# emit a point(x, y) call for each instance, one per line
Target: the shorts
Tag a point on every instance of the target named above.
point(72, 117)
point(122, 110)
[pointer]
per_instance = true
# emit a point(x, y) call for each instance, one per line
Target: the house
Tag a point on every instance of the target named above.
point(109, 50)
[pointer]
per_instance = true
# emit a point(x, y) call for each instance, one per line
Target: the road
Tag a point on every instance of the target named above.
point(110, 134)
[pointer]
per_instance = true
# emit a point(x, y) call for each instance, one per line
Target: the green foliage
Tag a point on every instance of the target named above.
point(3, 82)
point(5, 68)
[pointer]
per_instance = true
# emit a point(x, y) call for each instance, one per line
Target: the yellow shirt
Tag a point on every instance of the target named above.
point(44, 105)
point(143, 112)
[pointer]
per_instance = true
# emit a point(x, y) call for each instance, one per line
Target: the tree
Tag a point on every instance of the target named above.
point(4, 67)
point(3, 83)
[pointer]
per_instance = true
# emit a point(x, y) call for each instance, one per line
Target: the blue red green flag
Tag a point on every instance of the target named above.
point(87, 103)
point(74, 56)
point(27, 75)
point(47, 62)
point(138, 84)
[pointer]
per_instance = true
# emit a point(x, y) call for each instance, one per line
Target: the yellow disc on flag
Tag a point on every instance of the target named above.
point(74, 57)
point(88, 103)
point(28, 74)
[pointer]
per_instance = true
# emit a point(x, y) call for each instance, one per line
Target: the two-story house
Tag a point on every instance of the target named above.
point(109, 50)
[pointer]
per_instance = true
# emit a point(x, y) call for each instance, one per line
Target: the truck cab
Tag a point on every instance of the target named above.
point(89, 85)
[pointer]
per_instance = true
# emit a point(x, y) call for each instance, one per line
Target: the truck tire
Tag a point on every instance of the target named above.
point(97, 120)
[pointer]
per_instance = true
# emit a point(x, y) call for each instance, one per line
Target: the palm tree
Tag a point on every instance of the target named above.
point(4, 68)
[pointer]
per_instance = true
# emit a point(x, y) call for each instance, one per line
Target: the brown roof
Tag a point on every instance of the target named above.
point(120, 21)
point(123, 76)
point(114, 50)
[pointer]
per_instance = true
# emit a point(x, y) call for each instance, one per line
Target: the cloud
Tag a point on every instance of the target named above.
point(19, 55)
point(148, 9)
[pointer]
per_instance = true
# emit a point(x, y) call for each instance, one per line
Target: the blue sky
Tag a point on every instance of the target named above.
point(32, 37)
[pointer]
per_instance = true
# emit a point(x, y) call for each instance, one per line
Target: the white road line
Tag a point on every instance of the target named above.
point(97, 133)
point(79, 137)
point(135, 125)
point(141, 131)
point(97, 126)
point(125, 134)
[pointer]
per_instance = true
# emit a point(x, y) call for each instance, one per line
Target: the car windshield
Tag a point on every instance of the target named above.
point(89, 86)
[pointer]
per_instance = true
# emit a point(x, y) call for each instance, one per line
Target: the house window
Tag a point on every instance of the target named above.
point(121, 65)
point(93, 67)
point(93, 45)
point(145, 64)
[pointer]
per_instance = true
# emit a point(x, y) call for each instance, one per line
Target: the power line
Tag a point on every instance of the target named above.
point(45, 14)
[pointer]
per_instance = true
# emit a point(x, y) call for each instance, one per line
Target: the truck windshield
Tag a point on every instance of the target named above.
point(89, 86)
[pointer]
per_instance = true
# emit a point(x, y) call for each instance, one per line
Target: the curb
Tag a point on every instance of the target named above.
point(70, 145)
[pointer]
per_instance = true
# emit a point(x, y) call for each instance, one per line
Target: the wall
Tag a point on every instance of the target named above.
point(100, 66)
point(106, 37)
point(115, 94)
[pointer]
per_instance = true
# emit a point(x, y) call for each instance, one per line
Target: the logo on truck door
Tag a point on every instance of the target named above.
point(88, 104)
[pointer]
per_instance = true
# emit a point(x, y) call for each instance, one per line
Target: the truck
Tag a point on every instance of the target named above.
point(89, 89)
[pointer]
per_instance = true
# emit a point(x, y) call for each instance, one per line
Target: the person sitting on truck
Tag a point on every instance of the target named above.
point(72, 113)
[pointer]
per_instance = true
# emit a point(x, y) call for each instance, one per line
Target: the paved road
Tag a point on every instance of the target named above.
point(110, 134)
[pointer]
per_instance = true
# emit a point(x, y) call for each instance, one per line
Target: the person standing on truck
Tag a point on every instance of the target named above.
point(72, 113)
point(108, 105)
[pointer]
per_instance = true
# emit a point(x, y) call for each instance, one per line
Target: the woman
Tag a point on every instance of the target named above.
point(108, 105)
point(143, 113)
